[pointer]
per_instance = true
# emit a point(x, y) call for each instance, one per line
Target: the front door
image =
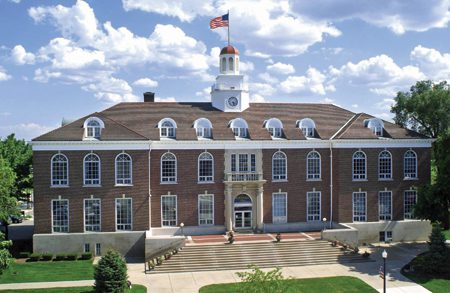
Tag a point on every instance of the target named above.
point(242, 219)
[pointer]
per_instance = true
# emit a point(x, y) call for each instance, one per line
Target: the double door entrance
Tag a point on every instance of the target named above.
point(242, 212)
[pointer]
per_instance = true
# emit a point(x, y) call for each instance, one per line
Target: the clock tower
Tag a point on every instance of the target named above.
point(230, 92)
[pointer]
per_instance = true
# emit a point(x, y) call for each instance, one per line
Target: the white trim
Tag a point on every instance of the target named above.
point(115, 213)
point(320, 166)
point(353, 207)
point(379, 194)
point(320, 206)
point(99, 171)
point(416, 159)
point(285, 167)
point(131, 170)
point(68, 213)
point(176, 209)
point(198, 209)
point(365, 166)
point(90, 145)
point(161, 169)
point(198, 168)
point(51, 171)
point(85, 126)
point(392, 175)
point(286, 209)
point(84, 214)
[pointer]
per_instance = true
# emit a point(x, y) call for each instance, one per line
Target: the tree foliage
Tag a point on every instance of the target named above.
point(258, 281)
point(8, 203)
point(5, 256)
point(110, 274)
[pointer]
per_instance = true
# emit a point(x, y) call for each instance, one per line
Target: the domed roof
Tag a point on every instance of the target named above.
point(229, 50)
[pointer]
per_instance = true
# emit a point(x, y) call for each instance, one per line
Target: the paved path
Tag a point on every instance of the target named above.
point(398, 255)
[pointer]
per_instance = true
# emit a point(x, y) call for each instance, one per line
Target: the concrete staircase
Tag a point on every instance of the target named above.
point(214, 257)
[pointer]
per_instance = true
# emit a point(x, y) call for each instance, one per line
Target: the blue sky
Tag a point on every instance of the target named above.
point(71, 58)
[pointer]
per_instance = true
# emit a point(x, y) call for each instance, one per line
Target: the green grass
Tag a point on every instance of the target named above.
point(134, 289)
point(332, 284)
point(434, 284)
point(447, 234)
point(48, 271)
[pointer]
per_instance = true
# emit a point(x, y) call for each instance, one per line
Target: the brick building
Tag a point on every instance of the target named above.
point(136, 170)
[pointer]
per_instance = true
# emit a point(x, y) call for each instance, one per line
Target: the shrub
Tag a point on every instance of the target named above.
point(47, 256)
point(258, 281)
point(110, 273)
point(86, 255)
point(60, 256)
point(35, 257)
point(71, 256)
point(159, 260)
point(24, 254)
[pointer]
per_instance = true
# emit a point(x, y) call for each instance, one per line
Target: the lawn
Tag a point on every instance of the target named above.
point(48, 271)
point(332, 284)
point(434, 284)
point(134, 289)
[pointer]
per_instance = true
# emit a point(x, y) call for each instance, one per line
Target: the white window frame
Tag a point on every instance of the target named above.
point(59, 182)
point(275, 127)
point(385, 175)
point(199, 213)
point(407, 175)
point(99, 215)
point(207, 178)
point(313, 176)
point(239, 127)
point(409, 215)
point(359, 218)
point(166, 131)
point(169, 179)
point(279, 219)
point(359, 177)
point(131, 214)
point(307, 126)
point(98, 249)
point(283, 175)
point(176, 210)
point(203, 128)
point(384, 216)
point(68, 217)
point(309, 216)
point(130, 178)
point(99, 172)
point(96, 130)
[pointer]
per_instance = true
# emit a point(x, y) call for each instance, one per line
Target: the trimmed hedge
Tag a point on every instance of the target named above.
point(47, 256)
point(86, 255)
point(35, 257)
point(71, 256)
point(24, 254)
point(60, 256)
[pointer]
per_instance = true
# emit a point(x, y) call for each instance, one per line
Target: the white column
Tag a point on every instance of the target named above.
point(259, 209)
point(228, 209)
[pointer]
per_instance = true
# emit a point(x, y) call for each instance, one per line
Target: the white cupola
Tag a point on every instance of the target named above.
point(230, 91)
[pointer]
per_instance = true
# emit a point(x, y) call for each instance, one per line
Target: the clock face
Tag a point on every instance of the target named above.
point(232, 102)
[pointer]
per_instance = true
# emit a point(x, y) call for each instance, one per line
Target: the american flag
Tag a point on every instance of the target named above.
point(220, 21)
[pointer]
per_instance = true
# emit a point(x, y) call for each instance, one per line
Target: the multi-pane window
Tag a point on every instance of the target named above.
point(243, 162)
point(91, 169)
point(275, 127)
point(169, 210)
point(307, 126)
point(92, 214)
point(60, 215)
point(385, 165)
point(279, 208)
point(205, 167)
point(252, 163)
point(359, 207)
point(376, 125)
point(124, 214)
point(167, 129)
point(123, 169)
point(60, 170)
point(240, 132)
point(93, 129)
point(279, 166)
point(206, 209)
point(233, 162)
point(203, 132)
point(275, 132)
point(313, 206)
point(313, 166)
point(410, 165)
point(359, 166)
point(168, 168)
point(240, 127)
point(203, 128)
point(98, 249)
point(385, 205)
point(410, 199)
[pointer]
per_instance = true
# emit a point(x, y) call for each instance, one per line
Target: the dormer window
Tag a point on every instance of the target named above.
point(93, 128)
point(275, 127)
point(167, 128)
point(203, 128)
point(239, 127)
point(376, 125)
point(307, 126)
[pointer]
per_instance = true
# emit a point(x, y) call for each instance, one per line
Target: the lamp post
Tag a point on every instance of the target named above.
point(384, 255)
point(324, 222)
point(181, 226)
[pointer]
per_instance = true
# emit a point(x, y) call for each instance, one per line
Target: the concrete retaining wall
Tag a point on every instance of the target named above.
point(294, 227)
point(342, 233)
point(157, 245)
point(187, 231)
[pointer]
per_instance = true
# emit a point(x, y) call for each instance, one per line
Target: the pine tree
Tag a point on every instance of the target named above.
point(111, 273)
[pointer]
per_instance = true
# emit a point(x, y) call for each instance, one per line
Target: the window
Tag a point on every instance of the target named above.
point(124, 214)
point(385, 236)
point(205, 209)
point(167, 128)
point(385, 205)
point(168, 168)
point(98, 249)
point(92, 212)
point(252, 163)
point(233, 163)
point(359, 166)
point(313, 206)
point(205, 167)
point(410, 165)
point(230, 62)
point(275, 127)
point(169, 210)
point(60, 215)
point(203, 128)
point(307, 126)
point(87, 247)
point(409, 201)
point(240, 127)
point(123, 169)
point(384, 165)
point(93, 128)
point(359, 207)
point(223, 64)
point(376, 125)
point(91, 169)
point(60, 170)
point(313, 165)
point(243, 162)
point(279, 208)
point(279, 166)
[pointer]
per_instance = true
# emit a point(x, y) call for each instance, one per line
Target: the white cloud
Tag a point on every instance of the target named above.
point(146, 82)
point(262, 89)
point(204, 93)
point(355, 106)
point(327, 101)
point(245, 67)
point(20, 56)
point(268, 78)
point(281, 68)
point(312, 82)
point(385, 116)
point(15, 1)
point(3, 75)
point(25, 131)
point(434, 64)
point(255, 98)
point(165, 100)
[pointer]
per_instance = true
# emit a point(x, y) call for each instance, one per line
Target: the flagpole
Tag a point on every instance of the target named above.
point(228, 27)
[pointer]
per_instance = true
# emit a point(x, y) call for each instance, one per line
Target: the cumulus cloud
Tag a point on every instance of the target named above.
point(3, 75)
point(434, 64)
point(20, 56)
point(146, 82)
point(205, 93)
point(25, 131)
point(281, 68)
point(165, 100)
point(255, 98)
point(312, 82)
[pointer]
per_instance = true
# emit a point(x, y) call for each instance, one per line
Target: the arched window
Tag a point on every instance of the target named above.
point(60, 170)
point(376, 125)
point(240, 127)
point(231, 63)
point(203, 128)
point(168, 168)
point(237, 63)
point(410, 165)
point(223, 65)
point(167, 128)
point(279, 166)
point(307, 126)
point(359, 166)
point(275, 127)
point(313, 165)
point(124, 169)
point(205, 167)
point(91, 169)
point(384, 165)
point(93, 128)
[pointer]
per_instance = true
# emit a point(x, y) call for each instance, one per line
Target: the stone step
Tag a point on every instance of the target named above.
point(307, 243)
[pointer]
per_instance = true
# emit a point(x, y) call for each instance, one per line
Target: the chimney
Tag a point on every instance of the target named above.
point(149, 97)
